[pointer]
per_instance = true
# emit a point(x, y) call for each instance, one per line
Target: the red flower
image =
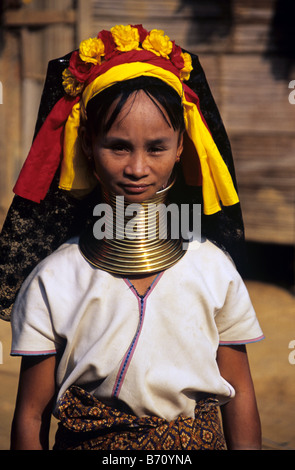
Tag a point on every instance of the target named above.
point(79, 68)
point(109, 44)
point(142, 32)
point(176, 57)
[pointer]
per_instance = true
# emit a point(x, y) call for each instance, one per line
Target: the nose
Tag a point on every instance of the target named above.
point(137, 166)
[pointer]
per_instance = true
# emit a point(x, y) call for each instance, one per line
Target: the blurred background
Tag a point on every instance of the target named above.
point(247, 49)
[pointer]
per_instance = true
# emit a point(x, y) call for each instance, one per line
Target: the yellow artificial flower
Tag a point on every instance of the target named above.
point(91, 50)
point(126, 37)
point(70, 84)
point(186, 70)
point(158, 43)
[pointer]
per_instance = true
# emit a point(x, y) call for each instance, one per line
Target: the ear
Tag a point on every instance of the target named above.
point(180, 146)
point(86, 142)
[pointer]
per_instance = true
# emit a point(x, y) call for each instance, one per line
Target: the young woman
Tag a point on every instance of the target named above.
point(134, 342)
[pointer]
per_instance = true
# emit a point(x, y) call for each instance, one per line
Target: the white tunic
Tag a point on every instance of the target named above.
point(156, 352)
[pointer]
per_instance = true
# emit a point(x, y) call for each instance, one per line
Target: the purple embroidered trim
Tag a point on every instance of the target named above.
point(242, 341)
point(16, 352)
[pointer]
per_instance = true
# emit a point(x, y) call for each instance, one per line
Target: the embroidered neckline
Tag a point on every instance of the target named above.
point(150, 287)
point(142, 300)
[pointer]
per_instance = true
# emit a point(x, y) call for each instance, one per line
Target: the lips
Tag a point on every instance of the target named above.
point(135, 188)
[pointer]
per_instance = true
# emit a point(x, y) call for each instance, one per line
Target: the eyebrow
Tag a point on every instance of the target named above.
point(121, 140)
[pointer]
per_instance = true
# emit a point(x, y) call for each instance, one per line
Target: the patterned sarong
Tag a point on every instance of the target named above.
point(87, 424)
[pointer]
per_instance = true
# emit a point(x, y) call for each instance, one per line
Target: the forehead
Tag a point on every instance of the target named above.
point(140, 109)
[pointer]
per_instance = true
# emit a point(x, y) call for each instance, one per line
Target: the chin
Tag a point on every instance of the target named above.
point(137, 198)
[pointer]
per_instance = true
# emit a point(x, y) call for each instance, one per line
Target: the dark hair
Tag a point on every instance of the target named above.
point(157, 90)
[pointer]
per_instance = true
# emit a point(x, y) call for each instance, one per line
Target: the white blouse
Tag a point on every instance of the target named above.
point(157, 352)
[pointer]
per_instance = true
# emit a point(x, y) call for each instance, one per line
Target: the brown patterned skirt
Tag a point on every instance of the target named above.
point(87, 424)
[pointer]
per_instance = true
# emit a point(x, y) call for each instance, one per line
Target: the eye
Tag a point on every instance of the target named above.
point(156, 149)
point(116, 145)
point(157, 146)
point(119, 148)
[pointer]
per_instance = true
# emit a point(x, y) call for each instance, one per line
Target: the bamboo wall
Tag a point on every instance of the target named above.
point(247, 50)
point(32, 33)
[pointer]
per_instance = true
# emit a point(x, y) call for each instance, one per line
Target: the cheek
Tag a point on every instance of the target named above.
point(100, 160)
point(164, 172)
point(106, 168)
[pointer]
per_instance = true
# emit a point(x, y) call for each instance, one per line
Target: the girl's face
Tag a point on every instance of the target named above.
point(136, 157)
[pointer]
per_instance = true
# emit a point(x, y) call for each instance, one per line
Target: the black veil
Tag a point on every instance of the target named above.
point(31, 231)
